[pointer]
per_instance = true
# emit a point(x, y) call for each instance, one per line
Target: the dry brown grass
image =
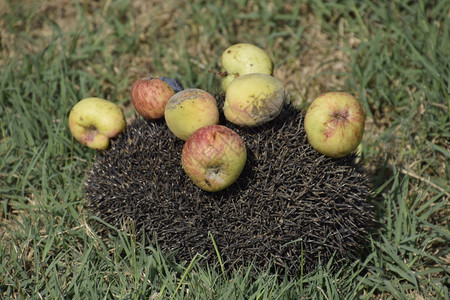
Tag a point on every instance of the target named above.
point(305, 76)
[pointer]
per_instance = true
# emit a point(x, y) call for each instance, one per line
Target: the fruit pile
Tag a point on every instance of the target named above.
point(242, 166)
point(214, 156)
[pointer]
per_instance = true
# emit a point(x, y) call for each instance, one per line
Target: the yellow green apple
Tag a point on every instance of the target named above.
point(334, 124)
point(213, 157)
point(189, 110)
point(244, 58)
point(253, 99)
point(93, 121)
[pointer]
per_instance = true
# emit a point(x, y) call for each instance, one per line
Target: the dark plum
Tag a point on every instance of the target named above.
point(174, 83)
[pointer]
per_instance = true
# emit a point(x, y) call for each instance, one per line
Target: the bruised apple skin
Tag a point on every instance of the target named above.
point(93, 121)
point(150, 96)
point(214, 157)
point(253, 99)
point(334, 124)
point(189, 110)
point(244, 58)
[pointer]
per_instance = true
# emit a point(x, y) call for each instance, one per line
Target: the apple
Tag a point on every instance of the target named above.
point(93, 121)
point(174, 83)
point(189, 110)
point(334, 124)
point(253, 99)
point(213, 157)
point(244, 58)
point(149, 97)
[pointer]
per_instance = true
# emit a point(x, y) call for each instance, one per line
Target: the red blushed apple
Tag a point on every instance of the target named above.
point(213, 157)
point(334, 124)
point(150, 96)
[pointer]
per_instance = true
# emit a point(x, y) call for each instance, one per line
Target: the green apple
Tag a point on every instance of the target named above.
point(213, 157)
point(244, 58)
point(334, 124)
point(253, 99)
point(189, 110)
point(93, 121)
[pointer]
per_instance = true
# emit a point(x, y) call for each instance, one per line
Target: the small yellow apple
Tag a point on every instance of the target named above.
point(189, 110)
point(253, 99)
point(93, 121)
point(244, 58)
point(334, 124)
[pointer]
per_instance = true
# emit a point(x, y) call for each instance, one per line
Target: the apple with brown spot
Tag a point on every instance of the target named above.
point(244, 58)
point(334, 124)
point(253, 99)
point(190, 110)
point(213, 157)
point(93, 121)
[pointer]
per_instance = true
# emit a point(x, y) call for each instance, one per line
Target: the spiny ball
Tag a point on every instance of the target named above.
point(290, 209)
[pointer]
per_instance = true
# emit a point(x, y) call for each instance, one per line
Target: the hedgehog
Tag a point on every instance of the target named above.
point(290, 210)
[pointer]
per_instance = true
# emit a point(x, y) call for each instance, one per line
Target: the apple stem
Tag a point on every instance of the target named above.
point(149, 71)
point(221, 74)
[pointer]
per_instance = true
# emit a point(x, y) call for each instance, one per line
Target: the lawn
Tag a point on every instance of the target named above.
point(392, 55)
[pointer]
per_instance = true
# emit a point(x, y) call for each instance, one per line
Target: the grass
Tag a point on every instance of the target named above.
point(394, 57)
